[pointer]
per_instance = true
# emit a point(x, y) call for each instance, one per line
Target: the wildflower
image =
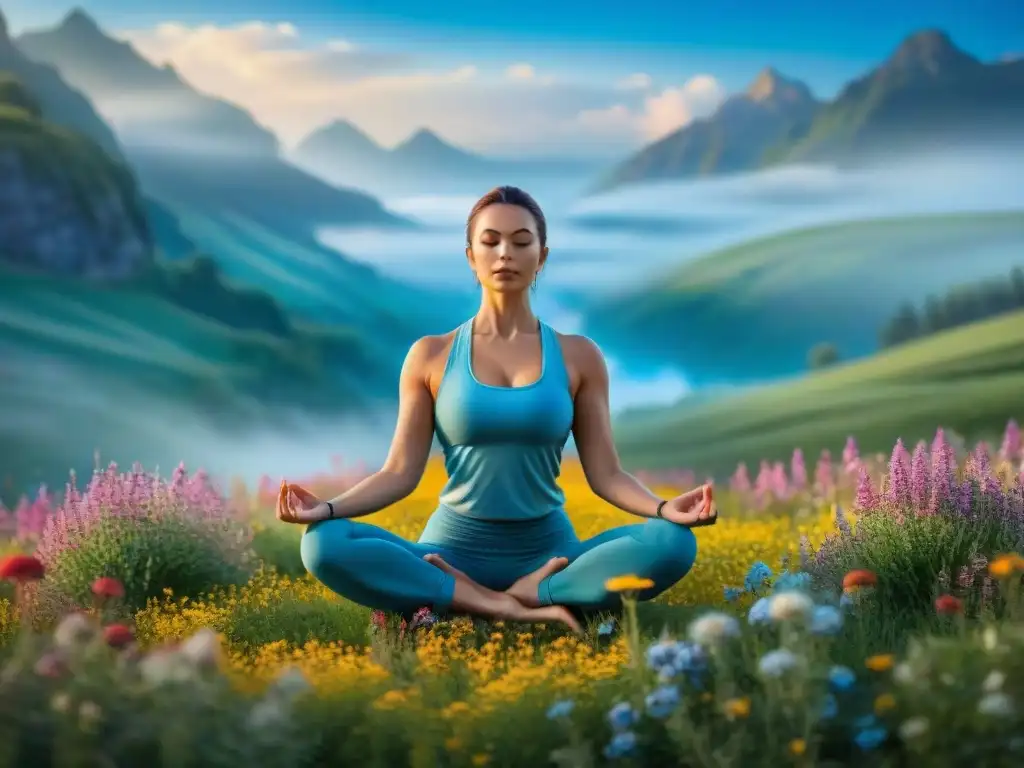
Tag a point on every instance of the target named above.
point(788, 606)
point(732, 594)
point(606, 628)
point(203, 649)
point(758, 574)
point(266, 713)
point(714, 628)
point(290, 683)
point(621, 745)
point(792, 582)
point(165, 665)
point(797, 747)
point(21, 568)
point(884, 702)
point(996, 704)
point(866, 497)
point(561, 709)
point(841, 678)
point(662, 701)
point(759, 612)
point(50, 665)
point(847, 601)
point(920, 476)
point(947, 605)
point(627, 583)
point(61, 702)
point(829, 707)
point(879, 662)
point(994, 681)
point(118, 635)
point(914, 728)
point(622, 716)
point(898, 491)
point(777, 663)
point(903, 673)
point(480, 759)
point(74, 631)
point(1004, 566)
point(108, 587)
point(453, 744)
point(89, 714)
point(737, 709)
point(859, 578)
point(870, 738)
point(826, 620)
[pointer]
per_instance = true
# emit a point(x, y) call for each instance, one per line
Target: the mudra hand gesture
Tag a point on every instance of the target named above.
point(297, 505)
point(693, 509)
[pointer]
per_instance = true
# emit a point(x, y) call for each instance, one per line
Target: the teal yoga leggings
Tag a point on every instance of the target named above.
point(378, 569)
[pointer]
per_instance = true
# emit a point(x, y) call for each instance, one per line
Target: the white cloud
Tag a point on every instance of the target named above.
point(293, 86)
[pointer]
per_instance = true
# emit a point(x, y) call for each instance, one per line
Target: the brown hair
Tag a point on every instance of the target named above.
point(509, 196)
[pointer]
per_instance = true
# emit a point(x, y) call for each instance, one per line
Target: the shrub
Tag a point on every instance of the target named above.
point(278, 546)
point(149, 534)
point(822, 355)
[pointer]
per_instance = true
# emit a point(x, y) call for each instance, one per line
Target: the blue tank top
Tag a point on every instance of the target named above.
point(503, 445)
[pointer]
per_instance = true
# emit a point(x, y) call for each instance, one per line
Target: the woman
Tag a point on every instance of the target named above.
point(502, 392)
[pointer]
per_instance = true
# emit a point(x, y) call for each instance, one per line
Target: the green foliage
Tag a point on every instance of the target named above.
point(960, 305)
point(823, 355)
point(150, 554)
point(277, 546)
point(14, 94)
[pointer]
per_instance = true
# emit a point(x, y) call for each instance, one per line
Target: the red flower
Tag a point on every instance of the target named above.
point(859, 578)
point(118, 635)
point(108, 587)
point(21, 568)
point(947, 605)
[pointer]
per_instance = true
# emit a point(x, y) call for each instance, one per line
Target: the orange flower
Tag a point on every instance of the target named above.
point(880, 662)
point(859, 578)
point(118, 635)
point(21, 568)
point(1005, 566)
point(108, 587)
point(947, 605)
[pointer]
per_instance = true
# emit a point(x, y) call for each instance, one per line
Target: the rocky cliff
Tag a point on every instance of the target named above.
point(66, 206)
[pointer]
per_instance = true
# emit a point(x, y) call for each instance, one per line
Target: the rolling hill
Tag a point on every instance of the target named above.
point(753, 311)
point(970, 380)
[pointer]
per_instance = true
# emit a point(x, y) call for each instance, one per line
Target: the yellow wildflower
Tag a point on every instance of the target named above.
point(738, 708)
point(884, 702)
point(480, 759)
point(880, 662)
point(1005, 566)
point(797, 747)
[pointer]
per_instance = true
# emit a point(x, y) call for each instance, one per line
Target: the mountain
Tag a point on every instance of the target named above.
point(928, 94)
point(151, 106)
point(734, 138)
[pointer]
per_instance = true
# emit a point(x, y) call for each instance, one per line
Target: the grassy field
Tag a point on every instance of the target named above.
point(756, 309)
point(969, 379)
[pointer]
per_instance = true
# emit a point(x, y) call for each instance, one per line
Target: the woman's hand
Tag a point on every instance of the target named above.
point(297, 505)
point(692, 509)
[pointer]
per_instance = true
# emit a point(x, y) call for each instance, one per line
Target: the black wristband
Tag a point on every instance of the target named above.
point(330, 509)
point(661, 506)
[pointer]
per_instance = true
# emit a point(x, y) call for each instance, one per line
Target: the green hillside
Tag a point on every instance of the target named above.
point(970, 380)
point(753, 311)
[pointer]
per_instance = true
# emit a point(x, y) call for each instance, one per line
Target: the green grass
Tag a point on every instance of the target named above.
point(969, 379)
point(754, 311)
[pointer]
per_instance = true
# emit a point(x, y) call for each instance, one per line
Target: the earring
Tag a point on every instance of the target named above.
point(535, 282)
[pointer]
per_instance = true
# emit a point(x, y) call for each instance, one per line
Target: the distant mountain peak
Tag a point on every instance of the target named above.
point(930, 52)
point(772, 85)
point(4, 37)
point(424, 138)
point(78, 22)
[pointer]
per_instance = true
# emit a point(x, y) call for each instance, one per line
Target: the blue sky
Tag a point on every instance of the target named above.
point(590, 44)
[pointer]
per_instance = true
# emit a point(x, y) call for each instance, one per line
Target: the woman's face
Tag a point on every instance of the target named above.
point(505, 252)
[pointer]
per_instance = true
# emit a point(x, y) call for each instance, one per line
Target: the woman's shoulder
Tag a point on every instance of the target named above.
point(580, 351)
point(427, 351)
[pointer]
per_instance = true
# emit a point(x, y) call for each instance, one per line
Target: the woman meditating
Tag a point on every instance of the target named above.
point(502, 392)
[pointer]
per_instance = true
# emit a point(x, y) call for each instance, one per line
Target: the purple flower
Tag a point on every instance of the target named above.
point(823, 475)
point(943, 470)
point(798, 470)
point(740, 480)
point(898, 492)
point(851, 454)
point(866, 497)
point(965, 497)
point(920, 481)
point(1011, 449)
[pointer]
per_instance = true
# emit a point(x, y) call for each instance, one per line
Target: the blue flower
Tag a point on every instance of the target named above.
point(841, 678)
point(758, 574)
point(846, 602)
point(777, 663)
point(870, 738)
point(673, 657)
point(792, 582)
point(661, 655)
point(621, 745)
point(826, 620)
point(759, 612)
point(605, 628)
point(732, 593)
point(561, 709)
point(622, 716)
point(661, 701)
point(829, 707)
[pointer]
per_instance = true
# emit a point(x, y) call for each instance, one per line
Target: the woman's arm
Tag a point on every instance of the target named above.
point(410, 446)
point(592, 429)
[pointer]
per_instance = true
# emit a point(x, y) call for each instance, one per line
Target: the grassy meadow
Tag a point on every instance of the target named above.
point(828, 623)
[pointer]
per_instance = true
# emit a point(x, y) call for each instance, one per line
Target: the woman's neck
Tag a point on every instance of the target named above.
point(505, 315)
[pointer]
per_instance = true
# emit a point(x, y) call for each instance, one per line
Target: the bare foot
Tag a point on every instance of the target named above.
point(525, 589)
point(474, 598)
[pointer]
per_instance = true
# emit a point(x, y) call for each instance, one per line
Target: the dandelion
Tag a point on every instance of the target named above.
point(627, 583)
point(622, 716)
point(790, 606)
point(737, 709)
point(797, 747)
point(713, 629)
point(826, 620)
point(21, 568)
point(859, 579)
point(903, 674)
point(880, 662)
point(118, 635)
point(841, 678)
point(621, 745)
point(947, 605)
point(884, 702)
point(662, 701)
point(996, 704)
point(914, 728)
point(561, 709)
point(1004, 566)
point(777, 663)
